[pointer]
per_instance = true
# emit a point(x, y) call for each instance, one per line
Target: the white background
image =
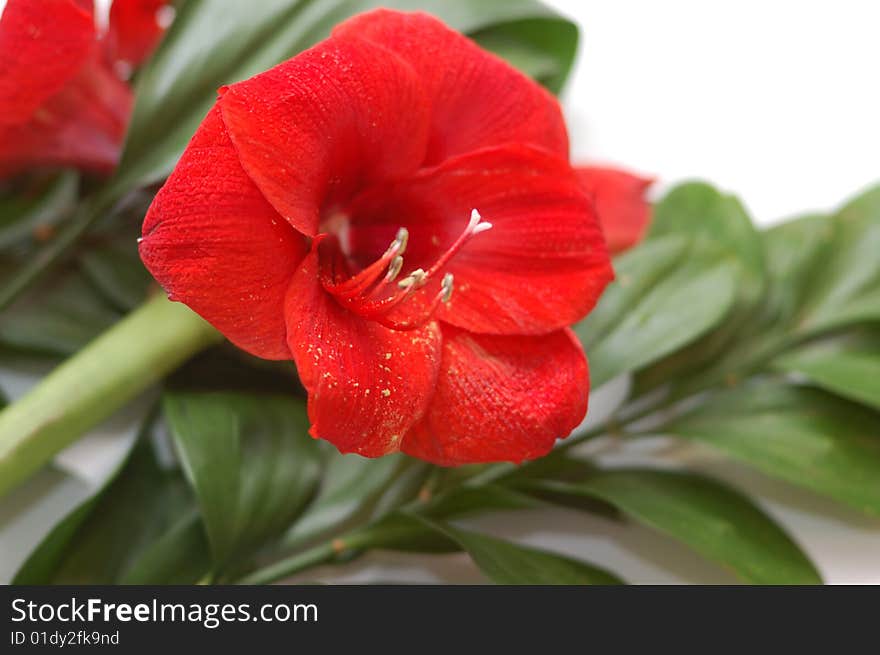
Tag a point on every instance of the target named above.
point(776, 101)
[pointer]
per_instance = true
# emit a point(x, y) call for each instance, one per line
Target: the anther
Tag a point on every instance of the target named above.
point(368, 292)
point(394, 268)
point(476, 224)
point(416, 278)
point(446, 288)
point(401, 240)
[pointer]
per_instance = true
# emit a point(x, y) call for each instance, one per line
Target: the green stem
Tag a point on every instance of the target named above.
point(94, 383)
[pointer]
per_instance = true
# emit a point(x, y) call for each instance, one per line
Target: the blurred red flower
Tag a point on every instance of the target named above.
point(61, 100)
point(276, 224)
point(619, 199)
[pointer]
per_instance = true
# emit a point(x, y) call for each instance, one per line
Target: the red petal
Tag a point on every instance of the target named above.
point(316, 128)
point(501, 398)
point(134, 30)
point(42, 46)
point(83, 125)
point(367, 384)
point(540, 268)
point(213, 242)
point(620, 201)
point(477, 99)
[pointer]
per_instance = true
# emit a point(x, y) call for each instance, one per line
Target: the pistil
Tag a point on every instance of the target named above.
point(373, 295)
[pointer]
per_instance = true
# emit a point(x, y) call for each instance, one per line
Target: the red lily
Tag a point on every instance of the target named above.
point(61, 103)
point(394, 210)
point(619, 199)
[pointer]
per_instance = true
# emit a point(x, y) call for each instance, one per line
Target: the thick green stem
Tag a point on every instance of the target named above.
point(94, 383)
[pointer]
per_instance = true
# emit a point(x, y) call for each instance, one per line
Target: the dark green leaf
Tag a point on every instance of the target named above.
point(718, 522)
point(103, 539)
point(407, 533)
point(484, 498)
point(250, 461)
point(802, 435)
point(58, 318)
point(180, 556)
point(214, 42)
point(23, 213)
point(413, 478)
point(667, 293)
point(116, 271)
point(504, 562)
point(350, 483)
point(848, 366)
point(226, 368)
point(542, 48)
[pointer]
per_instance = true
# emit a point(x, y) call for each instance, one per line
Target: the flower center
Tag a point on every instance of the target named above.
point(376, 293)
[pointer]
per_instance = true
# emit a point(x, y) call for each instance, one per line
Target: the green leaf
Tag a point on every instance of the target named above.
point(180, 556)
point(846, 289)
point(794, 251)
point(822, 275)
point(406, 530)
point(117, 272)
point(698, 210)
point(465, 501)
point(249, 459)
point(22, 213)
point(102, 540)
point(801, 435)
point(718, 522)
point(824, 270)
point(667, 293)
point(349, 485)
point(402, 531)
point(848, 366)
point(542, 48)
point(214, 42)
point(504, 562)
point(58, 318)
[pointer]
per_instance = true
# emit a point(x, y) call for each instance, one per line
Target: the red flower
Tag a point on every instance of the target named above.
point(619, 198)
point(325, 209)
point(61, 103)
point(135, 30)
